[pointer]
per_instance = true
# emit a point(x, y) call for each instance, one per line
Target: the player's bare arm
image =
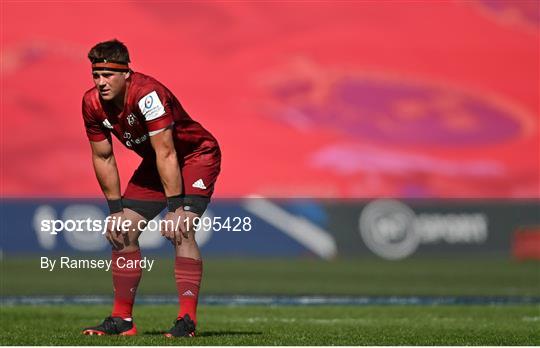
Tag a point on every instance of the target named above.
point(167, 162)
point(107, 175)
point(106, 169)
point(171, 178)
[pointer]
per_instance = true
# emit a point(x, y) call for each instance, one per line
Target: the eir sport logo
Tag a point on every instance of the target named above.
point(393, 231)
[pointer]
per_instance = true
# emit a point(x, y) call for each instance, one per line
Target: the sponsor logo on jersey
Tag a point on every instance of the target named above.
point(107, 124)
point(141, 139)
point(148, 101)
point(151, 107)
point(127, 136)
point(130, 141)
point(199, 184)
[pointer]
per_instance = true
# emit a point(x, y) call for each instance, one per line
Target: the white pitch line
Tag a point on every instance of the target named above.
point(300, 320)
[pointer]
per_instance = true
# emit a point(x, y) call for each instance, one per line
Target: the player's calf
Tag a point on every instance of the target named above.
point(125, 279)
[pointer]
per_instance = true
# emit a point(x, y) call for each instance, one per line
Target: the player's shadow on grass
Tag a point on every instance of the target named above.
point(211, 333)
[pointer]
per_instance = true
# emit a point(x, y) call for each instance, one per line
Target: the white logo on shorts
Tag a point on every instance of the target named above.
point(199, 184)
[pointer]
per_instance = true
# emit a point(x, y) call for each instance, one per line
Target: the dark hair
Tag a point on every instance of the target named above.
point(112, 50)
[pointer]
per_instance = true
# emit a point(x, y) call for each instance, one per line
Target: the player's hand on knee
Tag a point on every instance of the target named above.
point(178, 225)
point(168, 227)
point(116, 237)
point(182, 231)
point(177, 229)
point(189, 227)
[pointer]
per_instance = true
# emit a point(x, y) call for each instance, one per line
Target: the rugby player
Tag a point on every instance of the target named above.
point(179, 167)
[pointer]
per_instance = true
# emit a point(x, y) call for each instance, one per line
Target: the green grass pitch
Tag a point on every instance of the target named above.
point(290, 325)
point(286, 325)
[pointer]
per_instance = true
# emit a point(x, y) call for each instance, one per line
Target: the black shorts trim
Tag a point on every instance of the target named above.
point(196, 204)
point(151, 209)
point(148, 209)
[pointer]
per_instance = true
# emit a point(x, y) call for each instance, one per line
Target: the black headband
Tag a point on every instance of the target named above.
point(105, 60)
point(110, 66)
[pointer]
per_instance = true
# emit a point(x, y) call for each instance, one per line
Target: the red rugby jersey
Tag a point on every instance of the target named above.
point(148, 107)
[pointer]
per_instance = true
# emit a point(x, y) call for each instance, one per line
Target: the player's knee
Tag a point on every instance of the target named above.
point(188, 241)
point(124, 242)
point(128, 249)
point(190, 237)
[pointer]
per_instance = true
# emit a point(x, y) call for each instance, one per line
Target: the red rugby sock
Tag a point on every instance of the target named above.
point(188, 273)
point(125, 282)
